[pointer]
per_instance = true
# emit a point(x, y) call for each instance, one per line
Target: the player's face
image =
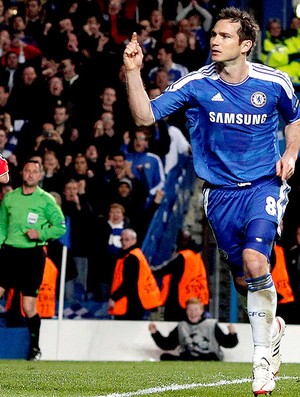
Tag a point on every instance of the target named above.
point(225, 43)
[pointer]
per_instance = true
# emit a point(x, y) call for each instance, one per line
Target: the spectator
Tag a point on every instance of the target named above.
point(25, 104)
point(76, 206)
point(134, 288)
point(25, 100)
point(11, 72)
point(26, 52)
point(117, 169)
point(74, 141)
point(91, 33)
point(94, 162)
point(109, 103)
point(37, 217)
point(162, 79)
point(105, 249)
point(53, 177)
point(106, 136)
point(4, 15)
point(56, 95)
point(187, 52)
point(34, 21)
point(18, 27)
point(146, 166)
point(49, 140)
point(118, 23)
point(133, 204)
point(199, 338)
point(93, 183)
point(79, 95)
point(183, 277)
point(277, 54)
point(165, 59)
point(57, 38)
point(198, 17)
point(61, 120)
point(160, 29)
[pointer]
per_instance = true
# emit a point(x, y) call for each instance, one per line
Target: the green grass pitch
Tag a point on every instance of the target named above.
point(126, 379)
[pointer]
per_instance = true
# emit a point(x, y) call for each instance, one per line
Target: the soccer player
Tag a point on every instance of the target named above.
point(232, 109)
point(29, 218)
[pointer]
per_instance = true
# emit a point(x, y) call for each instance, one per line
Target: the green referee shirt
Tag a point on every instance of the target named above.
point(20, 212)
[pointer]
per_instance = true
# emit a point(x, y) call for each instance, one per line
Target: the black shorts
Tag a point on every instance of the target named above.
point(22, 268)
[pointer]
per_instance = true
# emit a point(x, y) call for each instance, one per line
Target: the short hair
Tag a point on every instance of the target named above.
point(31, 161)
point(168, 47)
point(273, 20)
point(117, 152)
point(131, 232)
point(194, 301)
point(249, 28)
point(117, 206)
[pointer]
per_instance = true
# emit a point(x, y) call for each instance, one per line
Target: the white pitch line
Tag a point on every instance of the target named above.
point(175, 387)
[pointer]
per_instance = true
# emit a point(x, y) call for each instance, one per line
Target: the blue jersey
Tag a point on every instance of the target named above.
point(233, 127)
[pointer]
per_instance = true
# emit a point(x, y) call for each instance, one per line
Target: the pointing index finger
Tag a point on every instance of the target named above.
point(134, 37)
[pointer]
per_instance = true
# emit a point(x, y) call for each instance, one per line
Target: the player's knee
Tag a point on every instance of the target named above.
point(255, 263)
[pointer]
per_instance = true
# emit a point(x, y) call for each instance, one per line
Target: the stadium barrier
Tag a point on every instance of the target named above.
point(106, 340)
point(131, 341)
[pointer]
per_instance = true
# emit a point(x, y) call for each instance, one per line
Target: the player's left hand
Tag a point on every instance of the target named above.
point(285, 167)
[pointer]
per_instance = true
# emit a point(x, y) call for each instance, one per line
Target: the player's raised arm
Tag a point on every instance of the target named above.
point(138, 99)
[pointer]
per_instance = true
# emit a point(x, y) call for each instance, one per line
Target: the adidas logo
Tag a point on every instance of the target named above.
point(218, 97)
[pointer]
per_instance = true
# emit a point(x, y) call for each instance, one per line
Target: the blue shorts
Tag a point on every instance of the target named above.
point(245, 217)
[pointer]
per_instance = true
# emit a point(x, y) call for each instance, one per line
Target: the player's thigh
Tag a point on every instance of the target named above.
point(225, 211)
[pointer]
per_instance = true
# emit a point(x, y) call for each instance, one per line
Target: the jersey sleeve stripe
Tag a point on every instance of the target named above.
point(265, 73)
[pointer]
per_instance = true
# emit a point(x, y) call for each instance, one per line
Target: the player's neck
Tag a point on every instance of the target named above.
point(233, 73)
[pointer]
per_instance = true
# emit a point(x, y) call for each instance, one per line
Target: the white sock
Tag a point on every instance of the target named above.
point(261, 311)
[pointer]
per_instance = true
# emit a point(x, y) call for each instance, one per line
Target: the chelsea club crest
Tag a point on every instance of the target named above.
point(258, 99)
